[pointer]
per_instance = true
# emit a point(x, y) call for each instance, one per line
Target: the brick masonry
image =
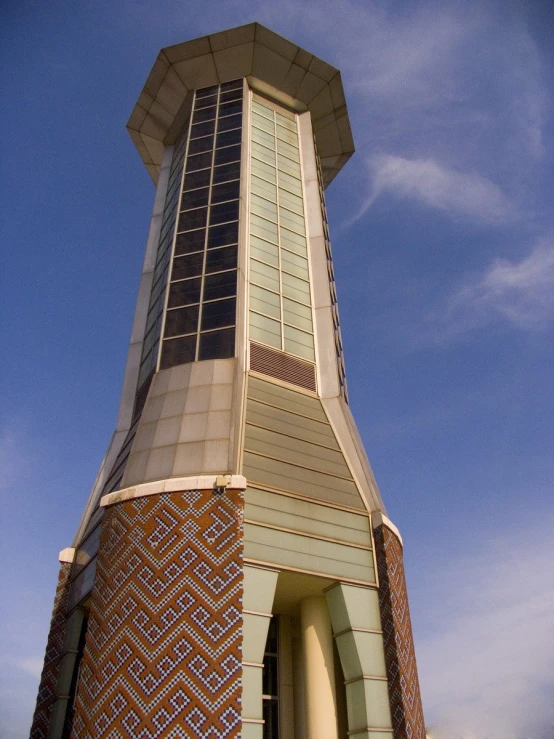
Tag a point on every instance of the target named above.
point(162, 654)
point(404, 693)
point(54, 649)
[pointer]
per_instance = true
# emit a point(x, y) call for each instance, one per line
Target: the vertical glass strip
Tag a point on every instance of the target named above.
point(280, 298)
point(332, 285)
point(201, 301)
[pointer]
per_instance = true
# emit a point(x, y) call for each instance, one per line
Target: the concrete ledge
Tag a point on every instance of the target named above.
point(172, 485)
point(379, 519)
point(67, 555)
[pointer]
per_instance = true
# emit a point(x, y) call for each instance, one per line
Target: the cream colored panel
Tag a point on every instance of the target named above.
point(284, 549)
point(279, 510)
point(267, 392)
point(280, 420)
point(277, 474)
point(295, 451)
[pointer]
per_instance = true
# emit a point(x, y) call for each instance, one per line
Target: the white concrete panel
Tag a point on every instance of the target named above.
point(193, 427)
point(174, 403)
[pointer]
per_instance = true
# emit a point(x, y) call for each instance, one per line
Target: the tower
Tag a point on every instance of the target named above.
point(234, 572)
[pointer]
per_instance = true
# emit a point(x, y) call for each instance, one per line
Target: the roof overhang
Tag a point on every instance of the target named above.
point(271, 64)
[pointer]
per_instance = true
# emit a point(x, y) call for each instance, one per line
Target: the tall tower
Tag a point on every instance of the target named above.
point(234, 572)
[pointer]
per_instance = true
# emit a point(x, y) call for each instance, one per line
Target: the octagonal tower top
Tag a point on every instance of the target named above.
point(272, 65)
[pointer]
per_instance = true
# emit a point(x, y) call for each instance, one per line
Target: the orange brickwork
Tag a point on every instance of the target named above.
point(162, 654)
point(404, 693)
point(54, 647)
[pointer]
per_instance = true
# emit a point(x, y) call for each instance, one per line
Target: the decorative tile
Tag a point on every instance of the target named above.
point(404, 693)
point(163, 650)
point(54, 650)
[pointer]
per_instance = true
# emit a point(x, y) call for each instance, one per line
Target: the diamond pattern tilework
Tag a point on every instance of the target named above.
point(54, 648)
point(405, 697)
point(163, 649)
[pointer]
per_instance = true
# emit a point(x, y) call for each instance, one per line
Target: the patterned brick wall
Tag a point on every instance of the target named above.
point(405, 697)
point(163, 649)
point(49, 677)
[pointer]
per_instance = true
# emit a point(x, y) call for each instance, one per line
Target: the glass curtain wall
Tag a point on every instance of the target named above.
point(280, 299)
point(201, 305)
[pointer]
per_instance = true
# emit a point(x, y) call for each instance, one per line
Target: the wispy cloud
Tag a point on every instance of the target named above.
point(486, 664)
point(436, 186)
point(434, 83)
point(15, 457)
point(519, 292)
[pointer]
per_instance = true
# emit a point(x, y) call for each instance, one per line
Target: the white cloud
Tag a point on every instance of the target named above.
point(487, 664)
point(439, 187)
point(453, 83)
point(521, 293)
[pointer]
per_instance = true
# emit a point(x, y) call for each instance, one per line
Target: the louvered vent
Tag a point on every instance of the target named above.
point(282, 366)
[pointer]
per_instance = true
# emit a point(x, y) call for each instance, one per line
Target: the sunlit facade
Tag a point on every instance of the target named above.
point(234, 572)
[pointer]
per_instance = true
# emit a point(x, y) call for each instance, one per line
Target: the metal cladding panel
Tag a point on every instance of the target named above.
point(290, 445)
point(295, 551)
point(280, 420)
point(290, 400)
point(273, 509)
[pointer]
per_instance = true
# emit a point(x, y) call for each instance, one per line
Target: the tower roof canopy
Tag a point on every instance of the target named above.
point(271, 64)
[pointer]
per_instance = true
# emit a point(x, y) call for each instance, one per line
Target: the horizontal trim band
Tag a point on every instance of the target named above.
point(316, 501)
point(67, 555)
point(172, 485)
point(356, 628)
point(307, 534)
point(257, 613)
point(365, 677)
point(379, 519)
point(325, 576)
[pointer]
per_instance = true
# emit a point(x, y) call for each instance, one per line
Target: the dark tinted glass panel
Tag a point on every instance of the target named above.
point(182, 321)
point(270, 679)
point(219, 259)
point(218, 314)
point(195, 198)
point(206, 114)
point(184, 293)
point(226, 124)
point(272, 641)
point(206, 91)
point(205, 102)
point(221, 285)
point(192, 219)
point(191, 241)
point(232, 85)
point(200, 161)
point(271, 719)
point(188, 266)
point(231, 154)
point(217, 344)
point(196, 146)
point(227, 172)
point(228, 138)
point(202, 129)
point(228, 191)
point(233, 95)
point(197, 179)
point(178, 351)
point(224, 212)
point(223, 235)
point(230, 108)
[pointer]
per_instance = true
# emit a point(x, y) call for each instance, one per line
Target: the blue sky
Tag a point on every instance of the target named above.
point(443, 238)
